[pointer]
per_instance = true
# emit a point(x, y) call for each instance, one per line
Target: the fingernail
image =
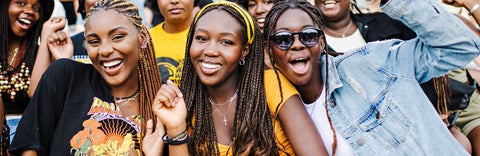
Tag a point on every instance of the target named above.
point(55, 19)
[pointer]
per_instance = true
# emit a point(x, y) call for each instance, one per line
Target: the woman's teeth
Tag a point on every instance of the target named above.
point(330, 2)
point(261, 20)
point(112, 63)
point(25, 21)
point(210, 65)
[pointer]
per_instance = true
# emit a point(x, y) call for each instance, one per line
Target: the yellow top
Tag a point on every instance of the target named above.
point(170, 52)
point(272, 92)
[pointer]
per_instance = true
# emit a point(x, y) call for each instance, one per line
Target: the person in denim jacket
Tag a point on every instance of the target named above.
point(372, 95)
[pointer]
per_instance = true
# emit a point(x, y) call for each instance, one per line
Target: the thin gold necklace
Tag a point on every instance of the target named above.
point(344, 32)
point(120, 101)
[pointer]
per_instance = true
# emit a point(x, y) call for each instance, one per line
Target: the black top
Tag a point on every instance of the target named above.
point(78, 48)
point(18, 105)
point(79, 51)
point(73, 109)
point(15, 98)
point(378, 26)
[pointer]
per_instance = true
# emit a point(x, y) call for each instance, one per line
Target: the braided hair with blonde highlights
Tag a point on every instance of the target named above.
point(252, 127)
point(272, 17)
point(149, 76)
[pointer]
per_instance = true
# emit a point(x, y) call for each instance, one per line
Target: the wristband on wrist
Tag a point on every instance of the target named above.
point(474, 8)
point(176, 140)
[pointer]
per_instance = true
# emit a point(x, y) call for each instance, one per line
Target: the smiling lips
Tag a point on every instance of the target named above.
point(329, 3)
point(209, 68)
point(299, 65)
point(24, 23)
point(112, 67)
point(261, 21)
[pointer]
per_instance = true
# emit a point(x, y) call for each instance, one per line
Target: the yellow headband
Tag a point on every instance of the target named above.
point(245, 15)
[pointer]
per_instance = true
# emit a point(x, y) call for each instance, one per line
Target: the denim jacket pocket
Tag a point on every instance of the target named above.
point(385, 123)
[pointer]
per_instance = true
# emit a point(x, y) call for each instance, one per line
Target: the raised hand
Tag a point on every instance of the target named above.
point(51, 32)
point(60, 45)
point(169, 106)
point(152, 144)
point(53, 25)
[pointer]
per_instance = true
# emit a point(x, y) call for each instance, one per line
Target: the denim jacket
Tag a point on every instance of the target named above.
point(375, 100)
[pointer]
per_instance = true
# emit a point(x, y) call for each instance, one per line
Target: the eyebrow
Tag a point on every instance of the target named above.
point(303, 27)
point(109, 32)
point(201, 30)
point(222, 34)
point(227, 34)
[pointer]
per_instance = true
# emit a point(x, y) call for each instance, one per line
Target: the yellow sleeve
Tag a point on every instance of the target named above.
point(273, 91)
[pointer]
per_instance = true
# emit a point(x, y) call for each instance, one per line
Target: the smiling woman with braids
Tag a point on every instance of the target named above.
point(98, 108)
point(369, 100)
point(231, 110)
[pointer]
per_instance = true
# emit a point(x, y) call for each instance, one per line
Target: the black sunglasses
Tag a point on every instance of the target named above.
point(284, 40)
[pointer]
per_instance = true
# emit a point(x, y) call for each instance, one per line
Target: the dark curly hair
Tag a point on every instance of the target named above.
point(30, 40)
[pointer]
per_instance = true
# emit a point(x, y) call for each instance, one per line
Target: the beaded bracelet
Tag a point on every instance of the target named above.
point(176, 140)
point(474, 8)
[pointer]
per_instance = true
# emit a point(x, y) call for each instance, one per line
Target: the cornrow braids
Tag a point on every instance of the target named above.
point(272, 17)
point(252, 129)
point(30, 41)
point(149, 76)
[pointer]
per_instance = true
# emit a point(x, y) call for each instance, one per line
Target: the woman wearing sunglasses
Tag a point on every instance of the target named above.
point(369, 100)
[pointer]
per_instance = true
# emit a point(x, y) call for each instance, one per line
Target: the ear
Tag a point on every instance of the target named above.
point(246, 50)
point(143, 39)
point(322, 43)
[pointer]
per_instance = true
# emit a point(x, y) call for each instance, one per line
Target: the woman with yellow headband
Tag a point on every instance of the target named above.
point(223, 105)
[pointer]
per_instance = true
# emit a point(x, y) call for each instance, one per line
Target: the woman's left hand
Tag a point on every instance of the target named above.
point(152, 144)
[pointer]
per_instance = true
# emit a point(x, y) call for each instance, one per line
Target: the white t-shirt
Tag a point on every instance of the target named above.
point(318, 114)
point(345, 44)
